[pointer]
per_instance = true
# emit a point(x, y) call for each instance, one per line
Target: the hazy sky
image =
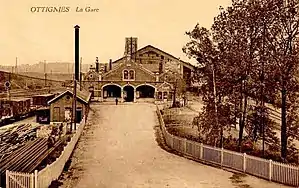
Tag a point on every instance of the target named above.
point(34, 37)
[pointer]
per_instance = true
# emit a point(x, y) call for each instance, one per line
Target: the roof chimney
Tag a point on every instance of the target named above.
point(97, 64)
point(130, 47)
point(110, 64)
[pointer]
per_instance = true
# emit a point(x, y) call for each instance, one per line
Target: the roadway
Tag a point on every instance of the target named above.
point(118, 149)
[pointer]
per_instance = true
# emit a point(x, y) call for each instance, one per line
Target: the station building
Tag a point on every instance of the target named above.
point(141, 74)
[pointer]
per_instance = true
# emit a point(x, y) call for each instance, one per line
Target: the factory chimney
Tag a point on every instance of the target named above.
point(77, 52)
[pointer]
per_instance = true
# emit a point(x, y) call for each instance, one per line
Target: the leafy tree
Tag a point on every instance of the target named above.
point(250, 54)
point(283, 48)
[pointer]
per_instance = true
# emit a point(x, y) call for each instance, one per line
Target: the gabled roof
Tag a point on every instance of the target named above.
point(83, 96)
point(165, 84)
point(150, 46)
point(138, 66)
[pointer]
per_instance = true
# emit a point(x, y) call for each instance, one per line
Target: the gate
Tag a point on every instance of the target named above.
point(21, 180)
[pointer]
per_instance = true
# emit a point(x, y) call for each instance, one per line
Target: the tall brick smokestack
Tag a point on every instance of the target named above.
point(77, 52)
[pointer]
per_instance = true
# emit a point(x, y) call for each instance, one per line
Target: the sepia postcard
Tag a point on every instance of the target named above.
point(149, 94)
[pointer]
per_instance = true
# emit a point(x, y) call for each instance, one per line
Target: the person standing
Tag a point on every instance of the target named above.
point(116, 101)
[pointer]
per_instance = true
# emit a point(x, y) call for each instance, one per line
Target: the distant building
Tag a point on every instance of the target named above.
point(140, 74)
point(61, 106)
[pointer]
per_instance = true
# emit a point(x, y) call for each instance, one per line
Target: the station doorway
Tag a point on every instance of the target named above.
point(145, 91)
point(111, 91)
point(128, 93)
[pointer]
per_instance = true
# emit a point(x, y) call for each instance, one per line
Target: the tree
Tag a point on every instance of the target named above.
point(283, 48)
point(253, 49)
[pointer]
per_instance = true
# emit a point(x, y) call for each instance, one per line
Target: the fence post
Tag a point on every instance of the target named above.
point(270, 170)
point(32, 181)
point(221, 160)
point(171, 140)
point(7, 179)
point(35, 178)
point(244, 162)
point(185, 146)
point(201, 151)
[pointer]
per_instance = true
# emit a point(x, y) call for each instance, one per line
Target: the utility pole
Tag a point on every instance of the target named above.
point(45, 72)
point(174, 93)
point(80, 73)
point(9, 80)
point(16, 68)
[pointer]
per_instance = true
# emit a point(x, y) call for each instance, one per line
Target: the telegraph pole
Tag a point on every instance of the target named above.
point(80, 74)
point(45, 72)
point(16, 68)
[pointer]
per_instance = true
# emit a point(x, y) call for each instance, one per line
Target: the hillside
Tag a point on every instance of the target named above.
point(49, 67)
point(23, 82)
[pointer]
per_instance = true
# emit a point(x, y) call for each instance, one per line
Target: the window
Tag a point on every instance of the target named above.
point(126, 74)
point(131, 74)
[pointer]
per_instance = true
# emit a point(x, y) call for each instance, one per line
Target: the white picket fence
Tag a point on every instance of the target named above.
point(20, 180)
point(43, 178)
point(267, 169)
point(53, 171)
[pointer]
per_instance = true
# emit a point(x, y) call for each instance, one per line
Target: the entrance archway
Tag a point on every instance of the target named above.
point(145, 91)
point(111, 91)
point(128, 93)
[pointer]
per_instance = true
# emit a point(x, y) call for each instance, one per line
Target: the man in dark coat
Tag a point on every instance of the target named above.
point(116, 101)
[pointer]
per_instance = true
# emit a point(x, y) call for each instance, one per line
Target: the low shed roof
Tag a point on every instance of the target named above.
point(83, 96)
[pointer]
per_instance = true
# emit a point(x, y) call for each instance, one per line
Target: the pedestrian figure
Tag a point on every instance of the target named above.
point(116, 101)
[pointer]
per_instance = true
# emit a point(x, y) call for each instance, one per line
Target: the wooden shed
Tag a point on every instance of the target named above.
point(61, 106)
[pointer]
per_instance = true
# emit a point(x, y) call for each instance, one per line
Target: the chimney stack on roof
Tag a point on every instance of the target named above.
point(110, 64)
point(97, 64)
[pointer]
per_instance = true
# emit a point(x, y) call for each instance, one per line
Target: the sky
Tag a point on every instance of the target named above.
point(37, 36)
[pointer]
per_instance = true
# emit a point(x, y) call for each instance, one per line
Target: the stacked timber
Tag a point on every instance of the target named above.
point(28, 157)
point(16, 137)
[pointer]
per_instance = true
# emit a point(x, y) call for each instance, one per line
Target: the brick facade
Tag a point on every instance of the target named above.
point(148, 67)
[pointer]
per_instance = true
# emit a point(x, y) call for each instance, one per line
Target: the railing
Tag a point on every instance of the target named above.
point(267, 169)
point(44, 178)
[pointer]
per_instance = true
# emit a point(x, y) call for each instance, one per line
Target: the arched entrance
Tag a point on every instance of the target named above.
point(145, 91)
point(111, 91)
point(128, 93)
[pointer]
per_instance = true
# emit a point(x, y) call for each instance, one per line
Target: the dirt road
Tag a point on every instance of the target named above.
point(119, 150)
